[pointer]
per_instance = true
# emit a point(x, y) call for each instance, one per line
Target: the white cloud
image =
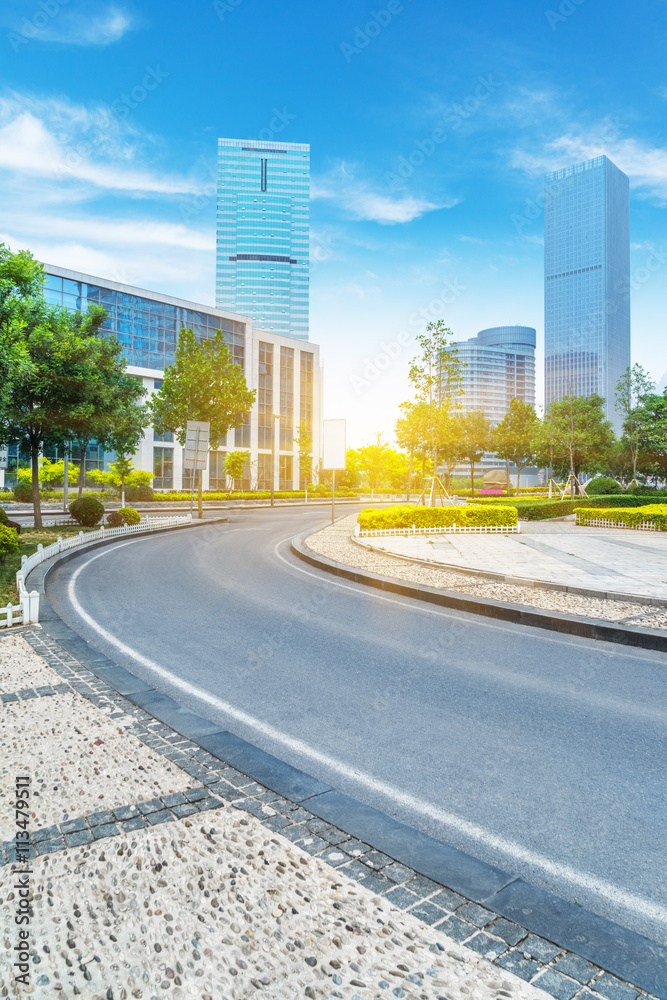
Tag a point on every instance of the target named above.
point(473, 239)
point(90, 23)
point(359, 200)
point(645, 165)
point(93, 150)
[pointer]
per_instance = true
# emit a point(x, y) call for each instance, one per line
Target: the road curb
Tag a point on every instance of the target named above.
point(517, 614)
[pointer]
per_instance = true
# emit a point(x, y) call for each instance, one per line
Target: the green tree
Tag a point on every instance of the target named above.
point(633, 385)
point(449, 441)
point(436, 376)
point(235, 463)
point(371, 461)
point(579, 435)
point(46, 390)
point(21, 308)
point(651, 416)
point(514, 439)
point(203, 384)
point(123, 437)
point(475, 439)
point(413, 433)
point(304, 443)
point(50, 473)
point(109, 412)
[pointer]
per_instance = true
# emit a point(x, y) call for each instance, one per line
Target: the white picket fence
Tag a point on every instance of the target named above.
point(603, 522)
point(27, 611)
point(450, 529)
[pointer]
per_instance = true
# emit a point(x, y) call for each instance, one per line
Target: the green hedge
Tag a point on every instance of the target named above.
point(432, 517)
point(540, 510)
point(655, 513)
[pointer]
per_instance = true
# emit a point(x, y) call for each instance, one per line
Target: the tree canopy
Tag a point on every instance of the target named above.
point(202, 384)
point(514, 439)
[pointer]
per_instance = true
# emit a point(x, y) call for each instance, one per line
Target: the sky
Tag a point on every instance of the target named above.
point(431, 125)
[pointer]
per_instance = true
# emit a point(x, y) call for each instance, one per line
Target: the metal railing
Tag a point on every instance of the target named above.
point(27, 611)
point(603, 522)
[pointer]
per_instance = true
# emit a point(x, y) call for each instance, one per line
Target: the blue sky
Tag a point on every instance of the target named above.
point(110, 112)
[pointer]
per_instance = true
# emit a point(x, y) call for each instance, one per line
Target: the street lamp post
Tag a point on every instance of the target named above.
point(274, 451)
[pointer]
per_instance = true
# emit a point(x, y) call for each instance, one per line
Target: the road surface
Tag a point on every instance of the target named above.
point(542, 754)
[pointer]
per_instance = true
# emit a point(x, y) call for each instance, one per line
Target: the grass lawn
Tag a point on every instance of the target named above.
point(29, 539)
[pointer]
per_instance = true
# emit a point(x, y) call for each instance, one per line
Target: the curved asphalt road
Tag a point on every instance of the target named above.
point(544, 755)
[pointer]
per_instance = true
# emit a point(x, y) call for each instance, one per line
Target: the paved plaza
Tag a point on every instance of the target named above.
point(615, 560)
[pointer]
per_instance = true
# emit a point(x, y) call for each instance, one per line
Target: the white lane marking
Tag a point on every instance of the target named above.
point(509, 848)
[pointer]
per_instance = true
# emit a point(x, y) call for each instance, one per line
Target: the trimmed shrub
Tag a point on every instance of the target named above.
point(603, 486)
point(9, 541)
point(655, 513)
point(436, 517)
point(87, 511)
point(539, 510)
point(115, 519)
point(23, 492)
point(130, 515)
point(139, 493)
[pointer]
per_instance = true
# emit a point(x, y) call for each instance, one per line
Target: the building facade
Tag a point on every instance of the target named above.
point(499, 366)
point(262, 244)
point(286, 375)
point(586, 281)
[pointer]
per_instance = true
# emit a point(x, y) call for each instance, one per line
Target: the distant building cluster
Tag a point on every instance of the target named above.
point(586, 303)
point(262, 308)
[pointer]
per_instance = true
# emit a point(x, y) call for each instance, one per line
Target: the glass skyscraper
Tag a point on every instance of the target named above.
point(262, 247)
point(586, 281)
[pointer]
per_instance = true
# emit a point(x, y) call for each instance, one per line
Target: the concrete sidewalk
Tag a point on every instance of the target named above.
point(603, 559)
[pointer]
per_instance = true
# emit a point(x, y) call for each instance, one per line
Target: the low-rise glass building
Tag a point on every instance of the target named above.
point(286, 375)
point(499, 367)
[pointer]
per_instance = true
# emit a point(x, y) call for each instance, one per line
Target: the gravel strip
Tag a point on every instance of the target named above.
point(80, 761)
point(221, 909)
point(335, 542)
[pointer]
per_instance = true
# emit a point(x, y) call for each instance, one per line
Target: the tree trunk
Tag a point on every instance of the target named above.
point(472, 478)
point(35, 485)
point(122, 489)
point(83, 447)
point(518, 477)
point(200, 502)
point(412, 455)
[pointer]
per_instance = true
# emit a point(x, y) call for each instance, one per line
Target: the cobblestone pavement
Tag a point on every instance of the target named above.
point(159, 870)
point(335, 542)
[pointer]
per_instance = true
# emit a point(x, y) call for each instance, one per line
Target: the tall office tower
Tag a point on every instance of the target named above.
point(262, 250)
point(586, 281)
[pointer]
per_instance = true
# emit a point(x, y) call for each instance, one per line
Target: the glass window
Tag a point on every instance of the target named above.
point(163, 468)
point(54, 283)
